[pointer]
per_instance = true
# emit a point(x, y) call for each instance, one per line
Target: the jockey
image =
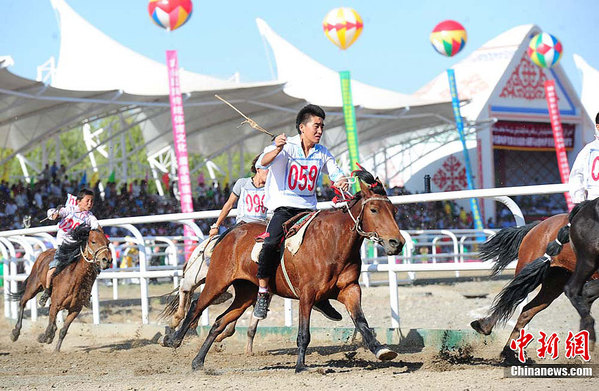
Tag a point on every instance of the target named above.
point(70, 218)
point(584, 176)
point(295, 165)
point(250, 194)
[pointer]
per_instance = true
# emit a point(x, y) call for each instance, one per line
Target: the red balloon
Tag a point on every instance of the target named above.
point(170, 14)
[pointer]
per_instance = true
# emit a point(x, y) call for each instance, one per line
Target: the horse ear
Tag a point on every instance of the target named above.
point(364, 188)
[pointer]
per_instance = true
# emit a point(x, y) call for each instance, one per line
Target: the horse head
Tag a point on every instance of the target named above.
point(96, 249)
point(376, 219)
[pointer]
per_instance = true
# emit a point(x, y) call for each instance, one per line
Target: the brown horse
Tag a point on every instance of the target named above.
point(72, 281)
point(327, 266)
point(526, 244)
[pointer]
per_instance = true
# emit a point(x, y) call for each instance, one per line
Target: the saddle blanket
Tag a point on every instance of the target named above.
point(196, 267)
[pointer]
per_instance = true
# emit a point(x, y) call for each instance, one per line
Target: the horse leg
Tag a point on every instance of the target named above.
point(303, 333)
point(195, 310)
point(63, 331)
point(184, 300)
point(485, 325)
point(228, 332)
point(573, 289)
point(29, 293)
point(351, 297)
point(245, 295)
point(551, 289)
point(249, 347)
point(590, 293)
point(48, 335)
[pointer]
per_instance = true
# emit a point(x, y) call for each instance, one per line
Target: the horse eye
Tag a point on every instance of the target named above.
point(373, 210)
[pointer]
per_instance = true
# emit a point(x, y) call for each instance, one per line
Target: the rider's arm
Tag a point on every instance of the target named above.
point(335, 173)
point(576, 181)
point(224, 212)
point(271, 152)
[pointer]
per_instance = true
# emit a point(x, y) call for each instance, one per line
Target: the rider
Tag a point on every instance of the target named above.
point(584, 185)
point(70, 218)
point(250, 193)
point(295, 165)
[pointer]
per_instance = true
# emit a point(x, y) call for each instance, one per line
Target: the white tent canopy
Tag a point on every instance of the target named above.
point(31, 112)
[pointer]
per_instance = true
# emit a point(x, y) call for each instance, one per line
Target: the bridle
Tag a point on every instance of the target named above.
point(94, 255)
point(358, 220)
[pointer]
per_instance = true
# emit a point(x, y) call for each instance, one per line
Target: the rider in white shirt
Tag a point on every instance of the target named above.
point(584, 176)
point(71, 217)
point(294, 165)
point(249, 195)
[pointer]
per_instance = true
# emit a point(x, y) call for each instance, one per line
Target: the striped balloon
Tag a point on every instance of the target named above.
point(170, 14)
point(449, 38)
point(545, 50)
point(343, 26)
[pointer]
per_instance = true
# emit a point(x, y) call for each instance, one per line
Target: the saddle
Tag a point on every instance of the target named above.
point(294, 229)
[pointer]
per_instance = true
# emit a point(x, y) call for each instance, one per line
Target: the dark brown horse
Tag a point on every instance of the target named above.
point(327, 266)
point(72, 281)
point(527, 244)
point(583, 233)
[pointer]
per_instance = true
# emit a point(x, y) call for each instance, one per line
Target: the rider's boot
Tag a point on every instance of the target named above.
point(261, 308)
point(45, 296)
point(327, 310)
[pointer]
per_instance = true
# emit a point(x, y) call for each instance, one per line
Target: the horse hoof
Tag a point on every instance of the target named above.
point(385, 354)
point(14, 336)
point(300, 368)
point(477, 326)
point(41, 338)
point(196, 365)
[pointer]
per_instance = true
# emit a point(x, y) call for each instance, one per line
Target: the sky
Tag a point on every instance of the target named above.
point(221, 37)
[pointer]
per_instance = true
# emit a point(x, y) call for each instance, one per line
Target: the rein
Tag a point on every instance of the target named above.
point(358, 220)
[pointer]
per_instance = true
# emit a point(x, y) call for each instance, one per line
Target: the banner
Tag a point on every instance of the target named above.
point(180, 142)
point(529, 136)
point(558, 136)
point(351, 130)
point(455, 102)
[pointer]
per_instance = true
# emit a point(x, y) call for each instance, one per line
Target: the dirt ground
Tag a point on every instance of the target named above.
point(120, 354)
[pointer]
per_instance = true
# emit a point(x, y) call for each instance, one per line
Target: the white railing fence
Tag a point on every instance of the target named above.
point(447, 250)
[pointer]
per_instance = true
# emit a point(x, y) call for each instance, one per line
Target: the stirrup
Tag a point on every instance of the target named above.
point(261, 308)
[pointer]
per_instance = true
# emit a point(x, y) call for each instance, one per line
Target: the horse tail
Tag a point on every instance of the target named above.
point(563, 237)
point(18, 295)
point(518, 289)
point(172, 304)
point(503, 247)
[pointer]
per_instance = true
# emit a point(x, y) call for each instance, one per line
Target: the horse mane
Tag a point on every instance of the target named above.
point(70, 251)
point(375, 184)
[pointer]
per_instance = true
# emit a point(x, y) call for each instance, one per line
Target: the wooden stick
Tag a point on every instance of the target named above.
point(248, 120)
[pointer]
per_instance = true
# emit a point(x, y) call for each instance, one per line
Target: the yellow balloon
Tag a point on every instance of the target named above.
point(343, 26)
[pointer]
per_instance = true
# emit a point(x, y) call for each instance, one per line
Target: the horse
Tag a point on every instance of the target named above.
point(526, 244)
point(326, 266)
point(584, 222)
point(71, 283)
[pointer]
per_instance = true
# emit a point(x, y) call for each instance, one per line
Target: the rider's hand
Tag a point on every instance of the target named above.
point(342, 184)
point(213, 231)
point(54, 215)
point(280, 140)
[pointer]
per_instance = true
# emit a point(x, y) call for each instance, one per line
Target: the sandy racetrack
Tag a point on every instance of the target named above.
point(120, 354)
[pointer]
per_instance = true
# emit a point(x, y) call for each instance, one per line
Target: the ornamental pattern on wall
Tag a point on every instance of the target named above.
point(526, 81)
point(451, 176)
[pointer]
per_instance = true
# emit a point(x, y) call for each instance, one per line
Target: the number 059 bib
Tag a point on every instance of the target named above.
point(301, 176)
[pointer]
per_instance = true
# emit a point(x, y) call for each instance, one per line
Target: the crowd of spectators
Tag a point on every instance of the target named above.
point(23, 204)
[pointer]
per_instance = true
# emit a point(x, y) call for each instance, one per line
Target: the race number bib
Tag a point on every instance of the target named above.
point(253, 204)
point(593, 180)
point(301, 176)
